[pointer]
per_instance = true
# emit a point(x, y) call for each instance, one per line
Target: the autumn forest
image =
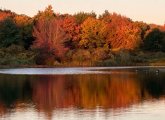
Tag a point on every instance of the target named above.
point(81, 39)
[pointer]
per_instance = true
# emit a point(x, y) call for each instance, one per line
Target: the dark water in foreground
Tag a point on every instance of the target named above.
point(82, 94)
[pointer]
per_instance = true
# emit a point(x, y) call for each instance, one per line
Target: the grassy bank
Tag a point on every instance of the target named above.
point(17, 56)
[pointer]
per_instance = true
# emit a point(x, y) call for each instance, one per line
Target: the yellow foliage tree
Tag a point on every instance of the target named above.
point(94, 33)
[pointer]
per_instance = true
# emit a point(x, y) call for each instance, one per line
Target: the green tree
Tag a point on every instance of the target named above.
point(144, 29)
point(9, 33)
point(82, 16)
point(155, 41)
point(25, 25)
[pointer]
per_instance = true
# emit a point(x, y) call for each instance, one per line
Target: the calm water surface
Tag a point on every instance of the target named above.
point(82, 93)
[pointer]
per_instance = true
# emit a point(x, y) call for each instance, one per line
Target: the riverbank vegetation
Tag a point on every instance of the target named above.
point(81, 39)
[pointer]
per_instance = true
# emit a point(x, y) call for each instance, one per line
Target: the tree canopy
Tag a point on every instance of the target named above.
point(79, 37)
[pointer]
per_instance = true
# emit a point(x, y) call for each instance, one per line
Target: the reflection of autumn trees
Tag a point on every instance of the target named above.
point(57, 92)
point(89, 91)
point(119, 89)
point(86, 91)
point(113, 91)
point(124, 90)
point(14, 90)
point(3, 109)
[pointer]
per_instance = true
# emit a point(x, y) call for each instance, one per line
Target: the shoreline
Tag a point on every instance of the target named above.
point(63, 66)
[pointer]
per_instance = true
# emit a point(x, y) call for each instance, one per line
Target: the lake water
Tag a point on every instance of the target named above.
point(104, 93)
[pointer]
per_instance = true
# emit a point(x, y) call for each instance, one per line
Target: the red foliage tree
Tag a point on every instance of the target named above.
point(72, 30)
point(50, 37)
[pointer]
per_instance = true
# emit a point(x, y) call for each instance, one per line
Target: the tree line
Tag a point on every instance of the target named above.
point(85, 39)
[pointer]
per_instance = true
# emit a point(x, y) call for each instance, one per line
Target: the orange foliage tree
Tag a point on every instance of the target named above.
point(22, 20)
point(4, 14)
point(123, 33)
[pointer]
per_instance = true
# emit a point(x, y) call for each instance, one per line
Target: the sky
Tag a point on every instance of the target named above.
point(150, 11)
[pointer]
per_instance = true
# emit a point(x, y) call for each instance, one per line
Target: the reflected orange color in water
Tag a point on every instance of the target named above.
point(3, 109)
point(125, 89)
point(48, 93)
point(87, 92)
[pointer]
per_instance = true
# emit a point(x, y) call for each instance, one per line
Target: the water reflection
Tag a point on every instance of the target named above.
point(63, 93)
